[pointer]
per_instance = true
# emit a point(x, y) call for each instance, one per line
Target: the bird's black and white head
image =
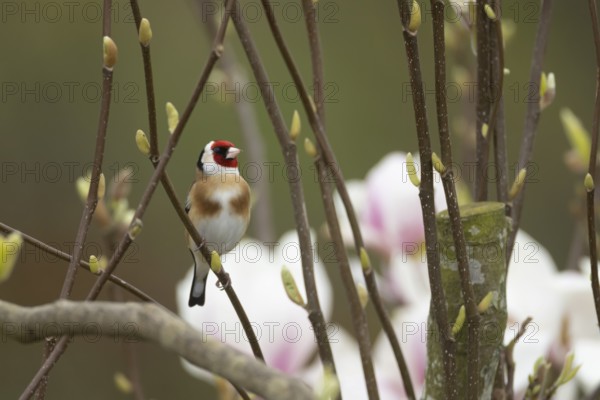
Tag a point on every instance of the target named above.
point(218, 156)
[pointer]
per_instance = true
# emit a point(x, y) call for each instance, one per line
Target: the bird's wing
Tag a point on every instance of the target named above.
point(188, 201)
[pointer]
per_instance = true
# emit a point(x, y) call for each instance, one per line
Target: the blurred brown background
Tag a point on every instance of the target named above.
point(50, 91)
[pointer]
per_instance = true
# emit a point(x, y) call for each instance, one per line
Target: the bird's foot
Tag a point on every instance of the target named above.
point(223, 286)
point(198, 249)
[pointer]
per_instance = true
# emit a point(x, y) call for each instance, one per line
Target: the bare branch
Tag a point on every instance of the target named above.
point(532, 116)
point(170, 190)
point(83, 264)
point(591, 212)
point(509, 360)
point(458, 235)
point(127, 239)
point(261, 224)
point(26, 325)
point(359, 319)
point(483, 100)
point(92, 197)
point(497, 121)
point(438, 297)
point(288, 148)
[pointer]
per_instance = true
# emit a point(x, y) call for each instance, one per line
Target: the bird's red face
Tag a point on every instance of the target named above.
point(225, 153)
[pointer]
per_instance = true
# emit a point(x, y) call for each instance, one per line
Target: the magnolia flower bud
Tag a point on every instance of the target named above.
point(547, 90)
point(135, 228)
point(10, 247)
point(412, 170)
point(142, 142)
point(588, 183)
point(484, 130)
point(110, 52)
point(145, 32)
point(517, 184)
point(83, 187)
point(365, 261)
point(576, 133)
point(485, 303)
point(437, 164)
point(310, 148)
point(291, 289)
point(489, 11)
point(172, 116)
point(94, 265)
point(215, 262)
point(101, 186)
point(460, 321)
point(123, 383)
point(295, 126)
point(415, 18)
point(363, 295)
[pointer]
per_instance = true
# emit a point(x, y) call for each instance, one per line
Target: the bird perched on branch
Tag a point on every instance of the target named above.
point(218, 205)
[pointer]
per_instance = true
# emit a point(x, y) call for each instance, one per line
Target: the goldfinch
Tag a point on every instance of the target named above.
point(218, 205)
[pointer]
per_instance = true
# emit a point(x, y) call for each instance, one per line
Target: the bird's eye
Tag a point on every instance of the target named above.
point(217, 150)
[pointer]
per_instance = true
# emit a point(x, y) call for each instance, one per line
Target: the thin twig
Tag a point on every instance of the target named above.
point(531, 118)
point(149, 81)
point(357, 312)
point(329, 157)
point(499, 391)
point(127, 239)
point(171, 193)
point(359, 319)
point(483, 100)
point(510, 361)
point(131, 358)
point(83, 264)
point(316, 125)
point(288, 148)
point(591, 212)
point(438, 297)
point(460, 245)
point(327, 153)
point(189, 226)
point(261, 224)
point(221, 275)
point(497, 120)
point(316, 57)
point(153, 324)
point(92, 197)
point(576, 247)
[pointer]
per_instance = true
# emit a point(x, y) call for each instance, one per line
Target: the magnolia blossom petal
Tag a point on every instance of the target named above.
point(347, 363)
point(393, 207)
point(357, 191)
point(282, 327)
point(387, 206)
point(587, 354)
point(579, 312)
point(407, 277)
point(530, 282)
point(581, 325)
point(410, 325)
point(534, 344)
point(530, 292)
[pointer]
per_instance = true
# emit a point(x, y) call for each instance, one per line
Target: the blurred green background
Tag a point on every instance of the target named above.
point(50, 76)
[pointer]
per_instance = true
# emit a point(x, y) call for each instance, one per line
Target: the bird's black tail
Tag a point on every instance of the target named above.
point(197, 299)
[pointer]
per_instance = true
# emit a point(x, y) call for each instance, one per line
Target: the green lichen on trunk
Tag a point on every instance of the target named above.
point(485, 229)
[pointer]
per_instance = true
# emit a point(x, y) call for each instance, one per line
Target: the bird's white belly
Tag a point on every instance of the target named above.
point(222, 231)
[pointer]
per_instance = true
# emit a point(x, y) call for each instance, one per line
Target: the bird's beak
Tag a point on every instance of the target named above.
point(232, 153)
